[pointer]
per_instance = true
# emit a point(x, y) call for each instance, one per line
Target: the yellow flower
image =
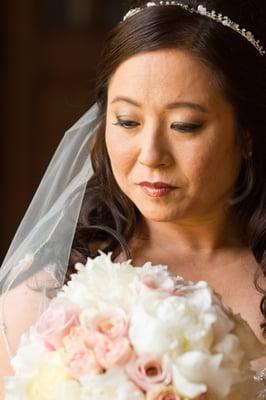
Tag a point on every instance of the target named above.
point(50, 381)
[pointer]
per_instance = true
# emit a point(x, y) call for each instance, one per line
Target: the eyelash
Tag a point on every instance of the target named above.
point(122, 123)
point(181, 127)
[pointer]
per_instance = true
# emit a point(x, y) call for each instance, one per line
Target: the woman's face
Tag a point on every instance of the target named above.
point(167, 122)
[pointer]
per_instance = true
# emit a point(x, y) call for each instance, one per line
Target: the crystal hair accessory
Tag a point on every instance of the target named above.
point(210, 14)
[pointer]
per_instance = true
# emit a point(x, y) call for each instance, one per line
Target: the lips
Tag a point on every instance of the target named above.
point(156, 185)
point(157, 189)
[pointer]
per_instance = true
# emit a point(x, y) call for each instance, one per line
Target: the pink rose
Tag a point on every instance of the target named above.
point(79, 355)
point(88, 336)
point(112, 323)
point(56, 323)
point(112, 352)
point(147, 371)
point(163, 393)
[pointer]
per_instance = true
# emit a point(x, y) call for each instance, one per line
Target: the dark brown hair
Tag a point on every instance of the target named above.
point(108, 217)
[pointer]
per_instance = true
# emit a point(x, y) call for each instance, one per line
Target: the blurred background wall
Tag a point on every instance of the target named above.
point(50, 49)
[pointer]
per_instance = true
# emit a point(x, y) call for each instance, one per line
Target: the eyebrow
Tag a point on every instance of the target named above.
point(170, 106)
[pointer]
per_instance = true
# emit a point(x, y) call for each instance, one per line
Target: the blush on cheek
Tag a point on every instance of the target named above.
point(121, 167)
point(118, 145)
point(122, 155)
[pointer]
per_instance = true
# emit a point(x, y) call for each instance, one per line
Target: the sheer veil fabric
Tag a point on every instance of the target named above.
point(36, 263)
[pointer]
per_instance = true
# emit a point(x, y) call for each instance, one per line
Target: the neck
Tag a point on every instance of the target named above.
point(205, 235)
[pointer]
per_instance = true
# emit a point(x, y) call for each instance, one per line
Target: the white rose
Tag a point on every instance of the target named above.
point(187, 321)
point(172, 324)
point(14, 388)
point(28, 358)
point(195, 372)
point(148, 334)
point(246, 346)
point(50, 380)
point(200, 295)
point(231, 349)
point(41, 374)
point(101, 281)
point(70, 390)
point(154, 286)
point(112, 385)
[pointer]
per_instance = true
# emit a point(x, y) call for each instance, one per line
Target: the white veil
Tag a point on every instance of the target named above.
point(41, 247)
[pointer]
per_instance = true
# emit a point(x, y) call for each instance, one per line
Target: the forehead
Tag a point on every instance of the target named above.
point(165, 75)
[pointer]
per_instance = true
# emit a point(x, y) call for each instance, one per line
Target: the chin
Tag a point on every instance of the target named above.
point(158, 214)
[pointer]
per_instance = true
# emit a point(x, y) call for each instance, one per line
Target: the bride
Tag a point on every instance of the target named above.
point(178, 156)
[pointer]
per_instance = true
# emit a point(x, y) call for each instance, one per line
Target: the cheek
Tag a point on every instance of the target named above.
point(121, 153)
point(211, 166)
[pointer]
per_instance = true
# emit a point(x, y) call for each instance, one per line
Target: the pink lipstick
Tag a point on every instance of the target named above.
point(156, 189)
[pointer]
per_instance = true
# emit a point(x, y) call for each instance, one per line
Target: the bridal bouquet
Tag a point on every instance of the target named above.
point(118, 332)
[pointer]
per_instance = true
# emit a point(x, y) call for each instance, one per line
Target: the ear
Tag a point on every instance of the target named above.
point(247, 145)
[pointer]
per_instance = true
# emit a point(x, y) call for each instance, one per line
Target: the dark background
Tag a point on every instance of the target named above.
point(50, 49)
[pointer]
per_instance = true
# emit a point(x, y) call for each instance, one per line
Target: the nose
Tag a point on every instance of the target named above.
point(154, 147)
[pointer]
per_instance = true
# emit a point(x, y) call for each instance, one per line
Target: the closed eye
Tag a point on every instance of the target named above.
point(126, 123)
point(186, 127)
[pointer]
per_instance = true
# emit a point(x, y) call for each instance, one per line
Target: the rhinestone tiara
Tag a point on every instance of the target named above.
point(203, 11)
